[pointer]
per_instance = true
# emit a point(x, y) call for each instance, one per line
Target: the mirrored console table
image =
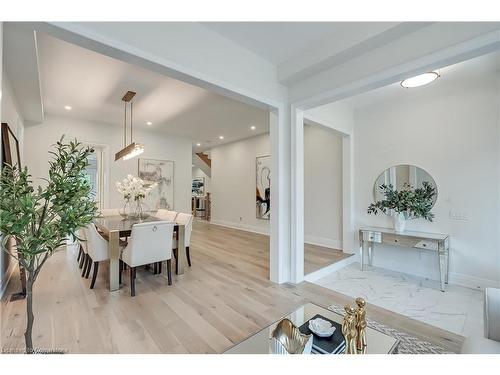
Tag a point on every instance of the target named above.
point(439, 243)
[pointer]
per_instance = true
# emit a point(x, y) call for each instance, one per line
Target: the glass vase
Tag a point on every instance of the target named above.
point(140, 210)
point(127, 210)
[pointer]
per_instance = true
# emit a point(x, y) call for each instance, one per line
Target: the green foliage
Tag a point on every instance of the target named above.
point(40, 220)
point(413, 203)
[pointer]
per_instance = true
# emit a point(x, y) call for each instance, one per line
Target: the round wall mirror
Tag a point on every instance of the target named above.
point(400, 175)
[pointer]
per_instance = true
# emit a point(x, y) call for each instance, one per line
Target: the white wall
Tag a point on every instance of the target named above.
point(322, 187)
point(233, 183)
point(39, 138)
point(453, 133)
point(10, 114)
point(197, 172)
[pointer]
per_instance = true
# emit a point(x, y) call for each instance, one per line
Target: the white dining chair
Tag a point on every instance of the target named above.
point(97, 251)
point(82, 251)
point(109, 212)
point(149, 243)
point(187, 221)
point(166, 215)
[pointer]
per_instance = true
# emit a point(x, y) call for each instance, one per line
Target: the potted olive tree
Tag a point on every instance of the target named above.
point(407, 203)
point(41, 219)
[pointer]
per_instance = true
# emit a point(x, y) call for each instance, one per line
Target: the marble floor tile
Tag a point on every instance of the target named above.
point(459, 309)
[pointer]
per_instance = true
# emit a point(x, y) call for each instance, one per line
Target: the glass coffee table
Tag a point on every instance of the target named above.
point(378, 342)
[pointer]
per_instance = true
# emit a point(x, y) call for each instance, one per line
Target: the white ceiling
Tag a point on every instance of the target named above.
point(483, 67)
point(274, 41)
point(93, 85)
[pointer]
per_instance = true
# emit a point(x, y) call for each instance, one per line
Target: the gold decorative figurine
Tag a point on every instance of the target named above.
point(361, 324)
point(349, 329)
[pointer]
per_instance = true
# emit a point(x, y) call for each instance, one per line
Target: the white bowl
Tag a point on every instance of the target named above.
point(321, 327)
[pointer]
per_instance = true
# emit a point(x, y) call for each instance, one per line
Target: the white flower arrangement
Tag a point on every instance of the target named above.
point(134, 187)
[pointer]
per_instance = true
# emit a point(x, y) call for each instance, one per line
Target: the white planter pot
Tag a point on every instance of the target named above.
point(399, 222)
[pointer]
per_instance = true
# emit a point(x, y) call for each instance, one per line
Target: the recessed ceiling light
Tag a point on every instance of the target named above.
point(68, 107)
point(420, 80)
point(149, 123)
point(221, 137)
point(252, 127)
point(198, 144)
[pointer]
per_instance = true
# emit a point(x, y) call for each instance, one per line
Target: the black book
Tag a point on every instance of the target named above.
point(325, 345)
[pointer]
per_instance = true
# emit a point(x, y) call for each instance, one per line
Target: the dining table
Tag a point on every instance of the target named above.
point(116, 227)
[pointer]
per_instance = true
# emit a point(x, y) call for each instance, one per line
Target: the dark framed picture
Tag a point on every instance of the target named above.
point(10, 147)
point(12, 156)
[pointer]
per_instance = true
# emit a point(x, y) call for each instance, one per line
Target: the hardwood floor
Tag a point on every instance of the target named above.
point(222, 299)
point(317, 257)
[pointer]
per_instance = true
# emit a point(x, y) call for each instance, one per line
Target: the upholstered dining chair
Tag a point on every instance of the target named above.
point(149, 243)
point(97, 249)
point(109, 212)
point(187, 221)
point(166, 215)
point(82, 244)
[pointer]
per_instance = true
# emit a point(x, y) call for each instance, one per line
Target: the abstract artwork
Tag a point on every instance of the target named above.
point(263, 187)
point(160, 172)
point(198, 186)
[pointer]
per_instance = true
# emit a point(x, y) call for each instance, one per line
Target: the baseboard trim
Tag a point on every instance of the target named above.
point(472, 281)
point(324, 242)
point(316, 275)
point(243, 227)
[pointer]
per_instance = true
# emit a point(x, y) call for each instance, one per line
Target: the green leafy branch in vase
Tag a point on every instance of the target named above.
point(411, 202)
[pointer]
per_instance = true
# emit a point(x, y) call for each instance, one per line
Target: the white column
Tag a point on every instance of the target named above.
point(279, 260)
point(297, 189)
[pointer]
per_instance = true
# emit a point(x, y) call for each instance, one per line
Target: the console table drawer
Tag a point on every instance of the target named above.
point(372, 236)
point(427, 244)
point(394, 239)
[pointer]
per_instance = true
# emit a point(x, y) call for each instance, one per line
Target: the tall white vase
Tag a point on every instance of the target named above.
point(399, 220)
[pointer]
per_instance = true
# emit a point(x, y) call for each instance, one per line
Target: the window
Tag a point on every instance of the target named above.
point(94, 173)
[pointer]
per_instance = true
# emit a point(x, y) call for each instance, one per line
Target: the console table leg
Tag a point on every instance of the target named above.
point(370, 253)
point(447, 255)
point(442, 268)
point(361, 248)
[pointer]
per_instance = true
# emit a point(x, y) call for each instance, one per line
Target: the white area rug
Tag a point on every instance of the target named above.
point(458, 310)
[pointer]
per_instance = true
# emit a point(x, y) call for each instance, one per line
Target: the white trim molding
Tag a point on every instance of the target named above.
point(244, 227)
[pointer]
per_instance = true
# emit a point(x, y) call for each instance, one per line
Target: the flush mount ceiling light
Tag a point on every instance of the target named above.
point(221, 137)
point(133, 149)
point(252, 127)
point(420, 80)
point(149, 123)
point(198, 144)
point(68, 107)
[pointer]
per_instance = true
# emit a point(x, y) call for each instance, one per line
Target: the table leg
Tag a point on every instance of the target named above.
point(447, 265)
point(361, 255)
point(181, 250)
point(114, 260)
point(370, 253)
point(442, 267)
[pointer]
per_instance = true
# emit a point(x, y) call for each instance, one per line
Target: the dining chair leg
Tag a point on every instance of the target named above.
point(169, 271)
point(120, 269)
point(155, 268)
point(80, 251)
point(132, 281)
point(94, 276)
point(187, 256)
point(82, 260)
point(85, 263)
point(89, 266)
point(159, 267)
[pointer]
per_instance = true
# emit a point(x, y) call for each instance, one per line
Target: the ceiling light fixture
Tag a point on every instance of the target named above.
point(198, 144)
point(133, 149)
point(420, 80)
point(149, 123)
point(68, 107)
point(221, 137)
point(252, 127)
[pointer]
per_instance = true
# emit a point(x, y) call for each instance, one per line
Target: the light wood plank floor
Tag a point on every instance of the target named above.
point(317, 257)
point(225, 297)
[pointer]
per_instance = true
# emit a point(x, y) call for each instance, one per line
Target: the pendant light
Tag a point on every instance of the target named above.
point(133, 149)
